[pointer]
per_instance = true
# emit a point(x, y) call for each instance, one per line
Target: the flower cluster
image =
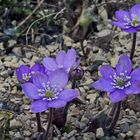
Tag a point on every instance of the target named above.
point(121, 81)
point(46, 85)
point(128, 21)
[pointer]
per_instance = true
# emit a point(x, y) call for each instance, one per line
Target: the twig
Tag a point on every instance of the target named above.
point(39, 20)
point(29, 16)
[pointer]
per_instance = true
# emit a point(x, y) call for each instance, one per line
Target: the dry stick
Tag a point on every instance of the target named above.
point(39, 20)
point(28, 17)
point(117, 107)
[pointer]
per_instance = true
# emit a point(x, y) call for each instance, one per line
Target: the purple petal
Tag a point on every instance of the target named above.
point(122, 16)
point(60, 58)
point(56, 103)
point(39, 106)
point(49, 64)
point(104, 85)
point(107, 72)
point(131, 30)
point(117, 95)
point(135, 75)
point(70, 59)
point(124, 65)
point(134, 88)
point(135, 11)
point(22, 70)
point(119, 24)
point(68, 95)
point(39, 79)
point(30, 90)
point(58, 78)
point(37, 68)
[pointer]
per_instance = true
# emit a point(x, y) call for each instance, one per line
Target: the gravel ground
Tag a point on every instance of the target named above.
point(105, 48)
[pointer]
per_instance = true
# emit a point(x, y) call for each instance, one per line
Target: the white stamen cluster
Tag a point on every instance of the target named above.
point(49, 89)
point(122, 81)
point(26, 76)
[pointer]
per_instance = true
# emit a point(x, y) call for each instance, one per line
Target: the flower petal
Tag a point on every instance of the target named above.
point(119, 24)
point(134, 88)
point(124, 65)
point(135, 75)
point(22, 70)
point(49, 64)
point(58, 78)
point(135, 11)
point(37, 68)
point(30, 90)
point(68, 95)
point(60, 58)
point(117, 95)
point(39, 79)
point(70, 59)
point(56, 103)
point(107, 72)
point(122, 16)
point(103, 84)
point(131, 30)
point(39, 106)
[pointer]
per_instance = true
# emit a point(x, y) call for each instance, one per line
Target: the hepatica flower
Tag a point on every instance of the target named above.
point(25, 73)
point(49, 91)
point(121, 81)
point(63, 60)
point(129, 21)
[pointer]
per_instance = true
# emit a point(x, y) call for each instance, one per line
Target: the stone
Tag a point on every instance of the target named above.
point(89, 136)
point(27, 133)
point(14, 124)
point(137, 135)
point(124, 127)
point(18, 135)
point(72, 133)
point(91, 97)
point(17, 51)
point(122, 136)
point(129, 133)
point(134, 127)
point(104, 33)
point(99, 133)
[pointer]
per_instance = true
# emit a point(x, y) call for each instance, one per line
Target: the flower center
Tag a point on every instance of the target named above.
point(135, 21)
point(49, 94)
point(121, 81)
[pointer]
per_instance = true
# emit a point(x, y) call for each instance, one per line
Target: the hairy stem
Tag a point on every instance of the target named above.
point(115, 112)
point(39, 127)
point(115, 116)
point(133, 46)
point(46, 136)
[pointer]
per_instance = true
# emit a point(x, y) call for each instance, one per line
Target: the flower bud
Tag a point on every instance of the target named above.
point(76, 74)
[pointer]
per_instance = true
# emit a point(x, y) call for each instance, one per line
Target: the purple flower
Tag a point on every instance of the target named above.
point(49, 91)
point(24, 73)
point(63, 60)
point(129, 21)
point(121, 81)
